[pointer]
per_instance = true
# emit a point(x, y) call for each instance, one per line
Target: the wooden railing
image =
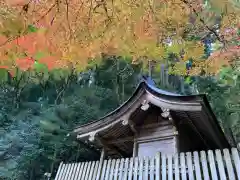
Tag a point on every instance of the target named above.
point(215, 165)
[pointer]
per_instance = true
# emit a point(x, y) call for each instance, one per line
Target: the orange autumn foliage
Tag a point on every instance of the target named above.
point(79, 30)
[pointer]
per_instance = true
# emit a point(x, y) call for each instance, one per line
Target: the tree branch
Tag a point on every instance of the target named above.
point(203, 22)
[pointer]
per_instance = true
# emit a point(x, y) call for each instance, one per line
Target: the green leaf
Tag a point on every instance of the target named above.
point(31, 28)
point(188, 80)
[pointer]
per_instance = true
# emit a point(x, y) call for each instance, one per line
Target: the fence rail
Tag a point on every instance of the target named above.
point(205, 165)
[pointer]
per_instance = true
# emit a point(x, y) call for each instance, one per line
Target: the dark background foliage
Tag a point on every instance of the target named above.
point(38, 110)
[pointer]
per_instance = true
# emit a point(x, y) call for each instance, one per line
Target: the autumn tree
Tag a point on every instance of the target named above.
point(82, 30)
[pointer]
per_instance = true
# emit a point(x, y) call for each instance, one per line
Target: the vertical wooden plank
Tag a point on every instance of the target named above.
point(108, 169)
point(164, 167)
point(220, 165)
point(176, 167)
point(80, 171)
point(95, 170)
point(170, 167)
point(183, 166)
point(88, 169)
point(158, 166)
point(141, 169)
point(100, 164)
point(204, 165)
point(91, 170)
point(63, 172)
point(77, 171)
point(73, 171)
point(190, 166)
point(197, 165)
point(103, 169)
point(228, 161)
point(70, 170)
point(134, 149)
point(84, 171)
point(135, 176)
point(152, 168)
point(212, 165)
point(146, 168)
point(116, 169)
point(67, 171)
point(112, 169)
point(125, 175)
point(130, 173)
point(236, 161)
point(59, 171)
point(121, 169)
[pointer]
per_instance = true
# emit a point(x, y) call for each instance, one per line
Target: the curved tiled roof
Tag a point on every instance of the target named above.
point(195, 107)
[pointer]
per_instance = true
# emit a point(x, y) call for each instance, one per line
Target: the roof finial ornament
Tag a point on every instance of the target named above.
point(145, 105)
point(165, 112)
point(125, 122)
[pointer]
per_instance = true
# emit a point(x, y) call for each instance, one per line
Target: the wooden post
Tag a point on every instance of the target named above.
point(134, 149)
point(103, 153)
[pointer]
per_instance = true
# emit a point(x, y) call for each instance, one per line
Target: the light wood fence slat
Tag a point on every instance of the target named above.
point(190, 166)
point(158, 166)
point(146, 170)
point(121, 169)
point(78, 175)
point(197, 165)
point(63, 172)
point(152, 169)
point(135, 175)
point(220, 165)
point(77, 171)
point(108, 169)
point(103, 169)
point(215, 165)
point(204, 165)
point(73, 171)
point(228, 161)
point(95, 170)
point(176, 167)
point(126, 169)
point(164, 167)
point(130, 173)
point(67, 171)
point(170, 167)
point(141, 169)
point(70, 171)
point(59, 171)
point(81, 171)
point(91, 170)
point(183, 166)
point(84, 171)
point(88, 169)
point(116, 169)
point(236, 160)
point(212, 165)
point(112, 169)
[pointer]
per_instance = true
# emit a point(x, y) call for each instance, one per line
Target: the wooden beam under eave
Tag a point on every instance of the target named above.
point(110, 146)
point(132, 126)
point(122, 140)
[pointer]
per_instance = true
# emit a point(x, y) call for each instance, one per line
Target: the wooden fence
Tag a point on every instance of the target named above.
point(215, 165)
